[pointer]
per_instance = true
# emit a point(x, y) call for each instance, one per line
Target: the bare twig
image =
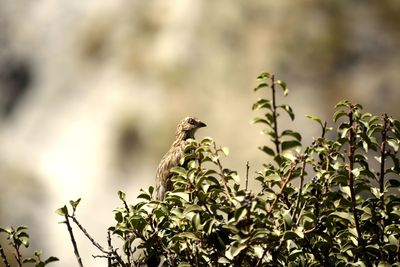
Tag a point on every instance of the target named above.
point(110, 247)
point(102, 256)
point(275, 116)
point(113, 253)
point(17, 254)
point(3, 257)
point(315, 252)
point(351, 157)
point(247, 174)
point(221, 169)
point(324, 129)
point(383, 156)
point(285, 181)
point(327, 166)
point(382, 168)
point(129, 248)
point(71, 234)
point(259, 263)
point(296, 210)
point(94, 242)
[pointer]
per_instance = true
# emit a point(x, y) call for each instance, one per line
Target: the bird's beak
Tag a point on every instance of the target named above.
point(201, 124)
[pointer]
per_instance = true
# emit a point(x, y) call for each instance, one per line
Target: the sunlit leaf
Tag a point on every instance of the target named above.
point(283, 85)
point(288, 110)
point(63, 211)
point(290, 144)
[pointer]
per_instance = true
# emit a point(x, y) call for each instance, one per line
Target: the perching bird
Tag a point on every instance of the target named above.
point(185, 130)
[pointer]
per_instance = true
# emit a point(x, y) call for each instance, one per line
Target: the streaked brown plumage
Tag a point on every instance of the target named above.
point(185, 130)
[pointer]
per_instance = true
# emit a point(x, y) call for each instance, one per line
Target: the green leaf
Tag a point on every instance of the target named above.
point(394, 143)
point(63, 211)
point(51, 259)
point(315, 118)
point(261, 85)
point(338, 114)
point(267, 150)
point(392, 183)
point(6, 230)
point(143, 195)
point(240, 213)
point(289, 111)
point(292, 133)
point(294, 254)
point(284, 86)
point(262, 103)
point(260, 120)
point(343, 103)
point(29, 260)
point(24, 238)
point(196, 222)
point(151, 190)
point(207, 141)
point(21, 228)
point(75, 203)
point(356, 172)
point(119, 217)
point(376, 192)
point(180, 171)
point(264, 75)
point(290, 144)
point(291, 235)
point(235, 249)
point(182, 195)
point(225, 150)
point(192, 208)
point(343, 216)
point(121, 195)
point(223, 260)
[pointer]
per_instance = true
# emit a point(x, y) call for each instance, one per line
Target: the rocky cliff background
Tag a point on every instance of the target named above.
point(91, 91)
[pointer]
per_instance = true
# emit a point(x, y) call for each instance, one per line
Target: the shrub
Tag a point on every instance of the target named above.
point(319, 205)
point(322, 204)
point(19, 238)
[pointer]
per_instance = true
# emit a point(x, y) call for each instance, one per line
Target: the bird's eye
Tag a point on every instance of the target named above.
point(191, 121)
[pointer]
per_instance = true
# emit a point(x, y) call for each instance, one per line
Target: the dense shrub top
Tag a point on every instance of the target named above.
point(334, 202)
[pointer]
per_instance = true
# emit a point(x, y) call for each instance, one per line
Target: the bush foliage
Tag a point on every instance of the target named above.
point(19, 238)
point(334, 202)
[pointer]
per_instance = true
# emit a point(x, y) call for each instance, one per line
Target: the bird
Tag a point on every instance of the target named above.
point(185, 130)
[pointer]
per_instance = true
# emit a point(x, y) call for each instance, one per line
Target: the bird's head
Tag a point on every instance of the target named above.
point(188, 127)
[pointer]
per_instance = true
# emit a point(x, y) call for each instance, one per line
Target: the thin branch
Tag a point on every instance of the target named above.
point(275, 116)
point(3, 257)
point(296, 210)
point(382, 168)
point(102, 256)
point(17, 254)
point(71, 234)
point(247, 174)
point(221, 169)
point(259, 263)
point(383, 156)
point(315, 252)
point(324, 129)
point(351, 155)
point(285, 181)
point(110, 247)
point(327, 166)
point(96, 244)
point(129, 248)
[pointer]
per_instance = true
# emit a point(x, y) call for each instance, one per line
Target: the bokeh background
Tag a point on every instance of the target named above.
point(91, 91)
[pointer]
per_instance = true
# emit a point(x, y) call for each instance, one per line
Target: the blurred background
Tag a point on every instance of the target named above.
point(91, 92)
